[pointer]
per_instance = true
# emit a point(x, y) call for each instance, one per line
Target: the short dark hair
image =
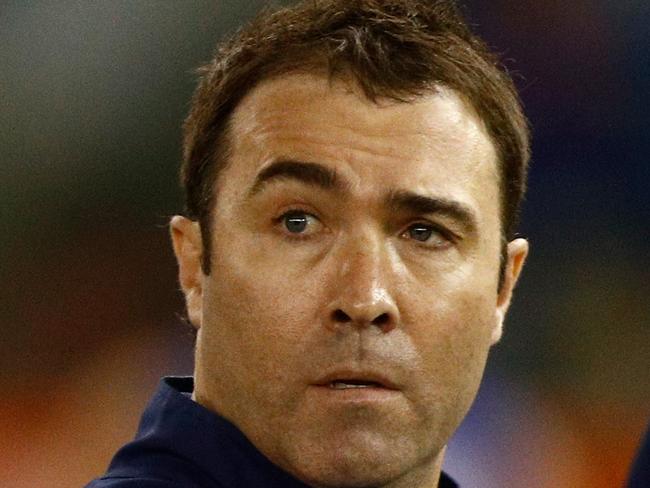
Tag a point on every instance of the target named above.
point(396, 49)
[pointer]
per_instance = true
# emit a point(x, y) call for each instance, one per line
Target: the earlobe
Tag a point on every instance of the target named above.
point(187, 244)
point(516, 256)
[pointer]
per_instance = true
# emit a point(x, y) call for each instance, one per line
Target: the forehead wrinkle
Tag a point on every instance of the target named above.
point(364, 139)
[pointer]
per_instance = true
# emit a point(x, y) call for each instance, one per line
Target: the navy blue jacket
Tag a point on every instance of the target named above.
point(181, 444)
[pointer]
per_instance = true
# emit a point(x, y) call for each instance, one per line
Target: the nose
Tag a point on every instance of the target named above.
point(362, 294)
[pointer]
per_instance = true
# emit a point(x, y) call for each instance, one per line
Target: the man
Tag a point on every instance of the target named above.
point(353, 172)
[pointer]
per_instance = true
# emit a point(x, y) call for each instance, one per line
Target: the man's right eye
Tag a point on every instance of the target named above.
point(299, 222)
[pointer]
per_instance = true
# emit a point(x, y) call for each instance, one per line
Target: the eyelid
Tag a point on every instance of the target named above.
point(295, 208)
point(445, 230)
point(446, 233)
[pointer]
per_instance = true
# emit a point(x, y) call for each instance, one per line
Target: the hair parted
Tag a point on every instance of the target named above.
point(396, 49)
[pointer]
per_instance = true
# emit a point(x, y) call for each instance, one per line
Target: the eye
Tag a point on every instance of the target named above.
point(427, 234)
point(298, 222)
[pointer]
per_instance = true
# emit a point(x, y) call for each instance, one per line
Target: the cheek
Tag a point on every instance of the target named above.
point(452, 334)
point(258, 309)
point(452, 351)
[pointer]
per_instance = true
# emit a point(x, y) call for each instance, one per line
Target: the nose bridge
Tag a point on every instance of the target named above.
point(362, 264)
point(363, 294)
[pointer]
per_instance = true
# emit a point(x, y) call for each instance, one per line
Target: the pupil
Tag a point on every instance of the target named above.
point(420, 233)
point(296, 223)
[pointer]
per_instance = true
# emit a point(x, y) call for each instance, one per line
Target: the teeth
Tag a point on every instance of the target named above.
point(339, 385)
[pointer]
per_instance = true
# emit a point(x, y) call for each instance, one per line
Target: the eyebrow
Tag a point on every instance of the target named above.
point(402, 200)
point(306, 172)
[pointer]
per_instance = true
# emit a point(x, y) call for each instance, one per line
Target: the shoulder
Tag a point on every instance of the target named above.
point(640, 473)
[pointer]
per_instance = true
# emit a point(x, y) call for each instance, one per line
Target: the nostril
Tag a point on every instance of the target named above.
point(381, 319)
point(340, 316)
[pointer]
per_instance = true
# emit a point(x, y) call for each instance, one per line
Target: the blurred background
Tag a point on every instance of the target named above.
point(92, 97)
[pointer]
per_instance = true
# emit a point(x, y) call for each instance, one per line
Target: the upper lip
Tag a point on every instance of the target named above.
point(356, 375)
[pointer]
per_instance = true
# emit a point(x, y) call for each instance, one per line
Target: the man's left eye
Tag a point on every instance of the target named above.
point(428, 234)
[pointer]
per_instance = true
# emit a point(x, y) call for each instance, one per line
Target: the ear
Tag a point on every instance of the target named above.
point(186, 240)
point(516, 256)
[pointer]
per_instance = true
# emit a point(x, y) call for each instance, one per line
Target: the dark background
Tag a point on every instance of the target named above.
point(92, 96)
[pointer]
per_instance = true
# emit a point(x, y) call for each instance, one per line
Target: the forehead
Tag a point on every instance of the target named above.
point(433, 144)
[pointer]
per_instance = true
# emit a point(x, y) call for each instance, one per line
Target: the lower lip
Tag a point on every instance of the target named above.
point(369, 394)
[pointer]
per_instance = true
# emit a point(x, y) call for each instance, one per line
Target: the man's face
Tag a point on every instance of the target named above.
point(353, 297)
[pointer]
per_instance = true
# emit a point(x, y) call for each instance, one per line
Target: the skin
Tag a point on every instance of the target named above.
point(347, 285)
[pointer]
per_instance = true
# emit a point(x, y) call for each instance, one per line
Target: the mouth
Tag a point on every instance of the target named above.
point(347, 384)
point(355, 381)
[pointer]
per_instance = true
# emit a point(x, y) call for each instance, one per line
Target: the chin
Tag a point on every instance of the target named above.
point(370, 463)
